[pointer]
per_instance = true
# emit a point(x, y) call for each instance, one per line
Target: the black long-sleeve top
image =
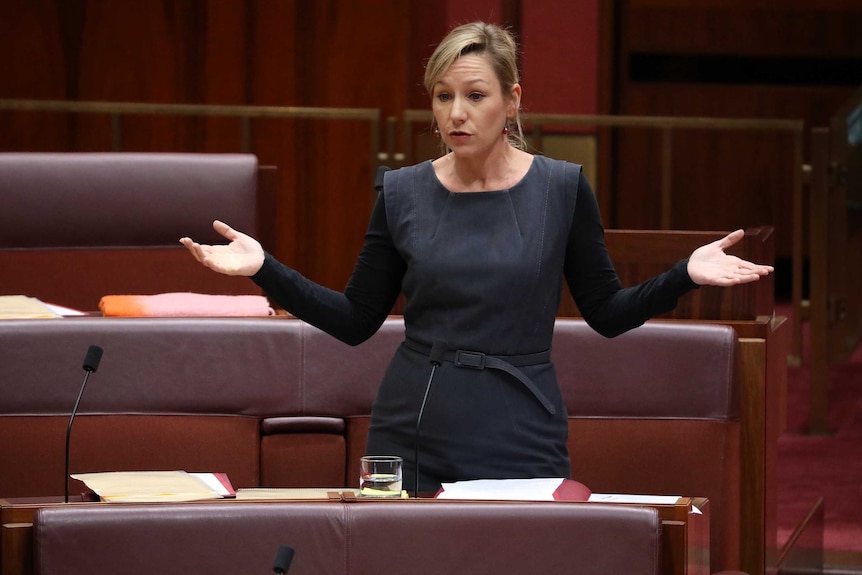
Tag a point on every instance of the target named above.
point(383, 266)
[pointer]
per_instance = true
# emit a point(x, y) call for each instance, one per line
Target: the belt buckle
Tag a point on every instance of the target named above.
point(471, 359)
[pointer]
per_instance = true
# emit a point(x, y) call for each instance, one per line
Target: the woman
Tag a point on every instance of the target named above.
point(479, 241)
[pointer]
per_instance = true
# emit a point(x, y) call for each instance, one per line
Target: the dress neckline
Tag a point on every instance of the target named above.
point(517, 184)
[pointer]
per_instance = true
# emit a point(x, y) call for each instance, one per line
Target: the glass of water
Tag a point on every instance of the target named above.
point(380, 476)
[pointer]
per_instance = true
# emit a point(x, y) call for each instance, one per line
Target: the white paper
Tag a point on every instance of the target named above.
point(632, 498)
point(212, 482)
point(541, 489)
point(64, 311)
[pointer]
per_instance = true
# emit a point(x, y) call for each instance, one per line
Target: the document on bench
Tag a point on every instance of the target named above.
point(541, 489)
point(156, 486)
point(24, 307)
point(638, 499)
point(297, 493)
point(65, 311)
point(633, 498)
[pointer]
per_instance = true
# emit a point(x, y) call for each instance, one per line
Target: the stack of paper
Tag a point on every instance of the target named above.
point(24, 307)
point(634, 498)
point(296, 493)
point(154, 486)
point(540, 489)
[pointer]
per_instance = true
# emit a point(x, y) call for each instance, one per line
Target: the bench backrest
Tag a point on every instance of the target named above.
point(77, 226)
point(275, 402)
point(351, 538)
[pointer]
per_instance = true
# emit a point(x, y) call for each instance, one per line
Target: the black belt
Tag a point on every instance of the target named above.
point(507, 363)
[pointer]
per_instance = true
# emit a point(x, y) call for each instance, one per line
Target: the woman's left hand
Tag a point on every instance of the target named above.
point(710, 265)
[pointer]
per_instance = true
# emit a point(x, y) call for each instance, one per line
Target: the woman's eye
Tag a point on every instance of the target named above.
point(476, 96)
point(443, 97)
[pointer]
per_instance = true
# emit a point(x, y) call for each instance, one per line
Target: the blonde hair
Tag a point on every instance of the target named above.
point(495, 43)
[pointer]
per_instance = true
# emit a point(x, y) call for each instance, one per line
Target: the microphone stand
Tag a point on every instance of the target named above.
point(91, 364)
point(436, 356)
point(283, 559)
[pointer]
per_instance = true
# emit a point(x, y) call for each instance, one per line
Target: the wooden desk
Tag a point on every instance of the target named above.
point(765, 345)
point(685, 536)
point(685, 533)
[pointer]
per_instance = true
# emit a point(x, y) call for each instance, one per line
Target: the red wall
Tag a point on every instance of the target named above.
point(461, 12)
point(559, 49)
point(560, 58)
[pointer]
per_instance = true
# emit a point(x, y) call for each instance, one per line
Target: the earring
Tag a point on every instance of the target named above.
point(436, 132)
point(505, 129)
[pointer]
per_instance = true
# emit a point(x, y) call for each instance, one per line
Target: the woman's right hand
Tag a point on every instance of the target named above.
point(243, 256)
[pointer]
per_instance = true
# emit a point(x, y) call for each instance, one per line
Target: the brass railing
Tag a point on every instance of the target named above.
point(116, 111)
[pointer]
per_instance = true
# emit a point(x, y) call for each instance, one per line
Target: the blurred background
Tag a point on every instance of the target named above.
point(785, 60)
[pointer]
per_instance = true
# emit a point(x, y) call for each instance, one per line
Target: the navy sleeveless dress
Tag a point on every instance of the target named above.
point(482, 274)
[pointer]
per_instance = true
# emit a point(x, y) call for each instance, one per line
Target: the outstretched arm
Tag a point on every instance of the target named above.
point(611, 309)
point(243, 256)
point(353, 315)
point(710, 265)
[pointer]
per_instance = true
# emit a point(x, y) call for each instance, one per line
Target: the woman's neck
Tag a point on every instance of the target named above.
point(495, 172)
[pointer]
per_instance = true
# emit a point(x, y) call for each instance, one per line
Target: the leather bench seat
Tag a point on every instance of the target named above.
point(77, 226)
point(359, 537)
point(277, 403)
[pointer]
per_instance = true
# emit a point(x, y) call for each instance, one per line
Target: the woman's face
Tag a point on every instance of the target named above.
point(470, 107)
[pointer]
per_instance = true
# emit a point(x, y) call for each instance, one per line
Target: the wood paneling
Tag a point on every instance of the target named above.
point(128, 53)
point(639, 255)
point(31, 67)
point(815, 28)
point(271, 81)
point(352, 55)
point(371, 54)
point(723, 179)
point(267, 52)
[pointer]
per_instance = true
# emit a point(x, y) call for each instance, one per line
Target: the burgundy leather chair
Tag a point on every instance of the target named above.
point(77, 226)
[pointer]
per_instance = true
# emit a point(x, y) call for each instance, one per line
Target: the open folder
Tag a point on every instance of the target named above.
point(24, 307)
point(155, 486)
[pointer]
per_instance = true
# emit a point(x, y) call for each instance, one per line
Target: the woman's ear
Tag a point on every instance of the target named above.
point(514, 101)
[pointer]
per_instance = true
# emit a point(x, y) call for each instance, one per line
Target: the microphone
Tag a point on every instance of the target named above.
point(91, 364)
point(438, 350)
point(283, 559)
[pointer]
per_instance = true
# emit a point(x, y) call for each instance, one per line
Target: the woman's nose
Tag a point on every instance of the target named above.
point(458, 110)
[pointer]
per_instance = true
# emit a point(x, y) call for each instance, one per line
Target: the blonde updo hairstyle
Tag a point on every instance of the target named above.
point(495, 43)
